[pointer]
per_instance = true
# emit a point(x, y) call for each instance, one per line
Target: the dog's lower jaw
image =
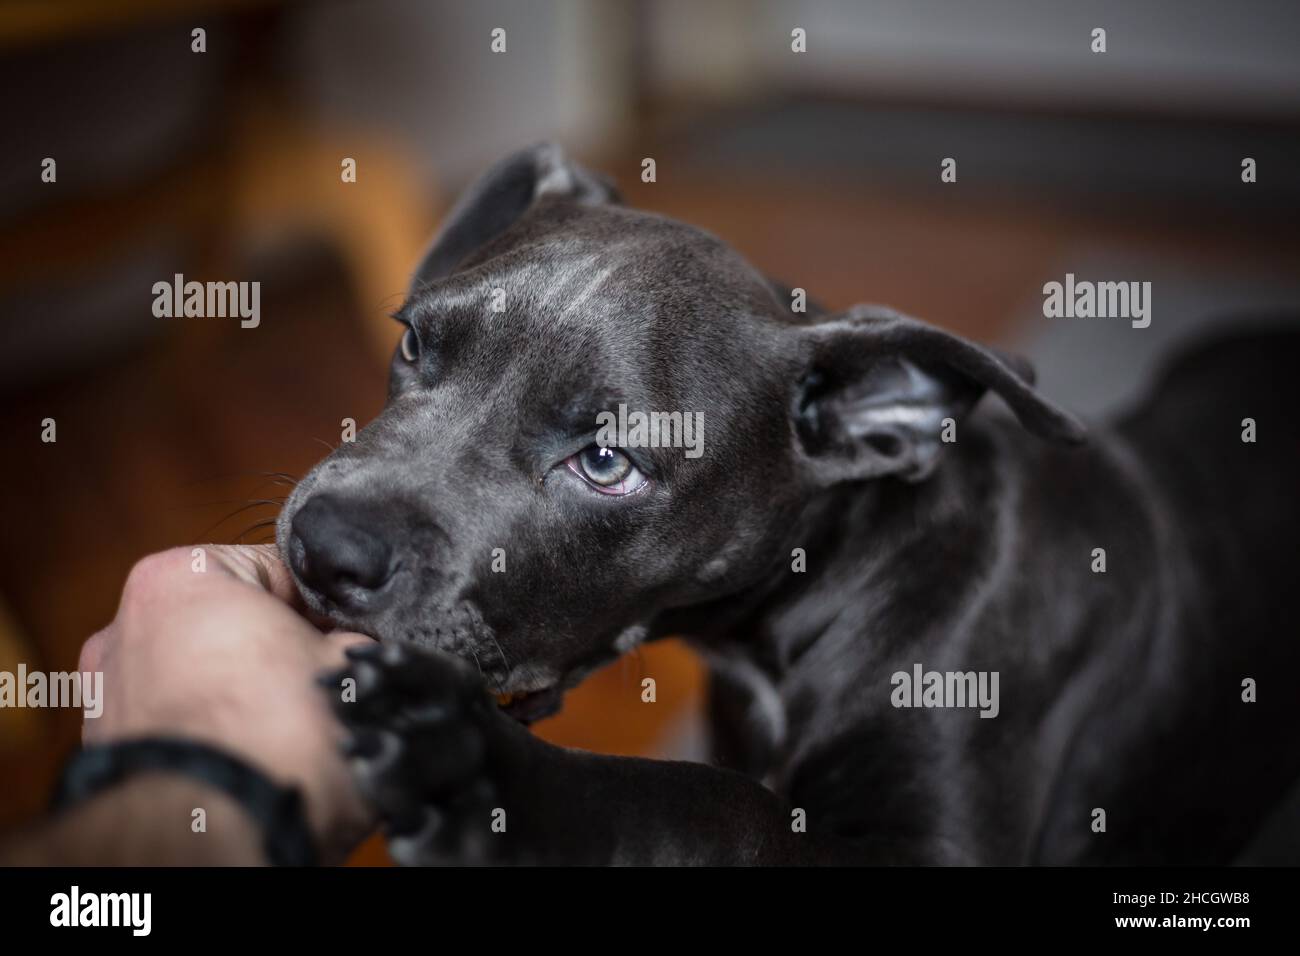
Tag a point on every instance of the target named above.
point(532, 706)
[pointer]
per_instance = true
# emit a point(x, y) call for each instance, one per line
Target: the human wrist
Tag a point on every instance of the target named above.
point(147, 820)
point(276, 811)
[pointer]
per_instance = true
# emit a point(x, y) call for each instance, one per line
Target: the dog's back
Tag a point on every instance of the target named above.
point(1224, 709)
point(1220, 438)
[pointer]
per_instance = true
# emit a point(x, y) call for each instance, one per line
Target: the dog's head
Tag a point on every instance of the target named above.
point(491, 511)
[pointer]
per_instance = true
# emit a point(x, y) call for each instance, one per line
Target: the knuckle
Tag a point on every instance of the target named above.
point(155, 574)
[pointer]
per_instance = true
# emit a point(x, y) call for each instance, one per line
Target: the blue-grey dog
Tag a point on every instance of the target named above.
point(938, 633)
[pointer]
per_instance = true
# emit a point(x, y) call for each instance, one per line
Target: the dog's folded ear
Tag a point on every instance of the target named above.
point(502, 195)
point(882, 392)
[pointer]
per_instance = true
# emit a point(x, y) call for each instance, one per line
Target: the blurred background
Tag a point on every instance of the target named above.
point(822, 167)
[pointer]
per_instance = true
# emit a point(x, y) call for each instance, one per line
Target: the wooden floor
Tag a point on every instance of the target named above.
point(165, 445)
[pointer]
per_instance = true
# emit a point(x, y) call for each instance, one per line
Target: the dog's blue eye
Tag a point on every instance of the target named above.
point(607, 470)
point(410, 345)
point(605, 466)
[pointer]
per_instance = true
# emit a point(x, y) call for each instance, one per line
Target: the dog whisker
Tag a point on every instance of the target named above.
point(504, 660)
point(251, 504)
point(261, 525)
point(476, 660)
point(281, 478)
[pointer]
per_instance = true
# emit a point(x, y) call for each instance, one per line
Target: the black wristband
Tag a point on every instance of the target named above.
point(277, 810)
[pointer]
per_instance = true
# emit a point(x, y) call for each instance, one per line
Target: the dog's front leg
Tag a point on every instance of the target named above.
point(458, 781)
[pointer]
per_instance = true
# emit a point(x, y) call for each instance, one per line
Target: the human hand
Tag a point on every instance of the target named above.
point(219, 655)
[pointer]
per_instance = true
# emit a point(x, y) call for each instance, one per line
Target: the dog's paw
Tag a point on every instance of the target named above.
point(430, 749)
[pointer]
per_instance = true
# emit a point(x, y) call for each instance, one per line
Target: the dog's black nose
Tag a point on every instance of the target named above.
point(336, 551)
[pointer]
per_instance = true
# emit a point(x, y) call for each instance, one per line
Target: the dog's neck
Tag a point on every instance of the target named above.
point(857, 551)
point(888, 562)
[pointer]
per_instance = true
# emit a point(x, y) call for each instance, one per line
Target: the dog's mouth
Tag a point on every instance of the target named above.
point(530, 706)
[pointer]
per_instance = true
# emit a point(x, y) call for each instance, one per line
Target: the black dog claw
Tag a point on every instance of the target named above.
point(423, 746)
point(364, 652)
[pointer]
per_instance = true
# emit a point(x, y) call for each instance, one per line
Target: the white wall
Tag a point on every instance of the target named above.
point(1234, 56)
point(425, 67)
